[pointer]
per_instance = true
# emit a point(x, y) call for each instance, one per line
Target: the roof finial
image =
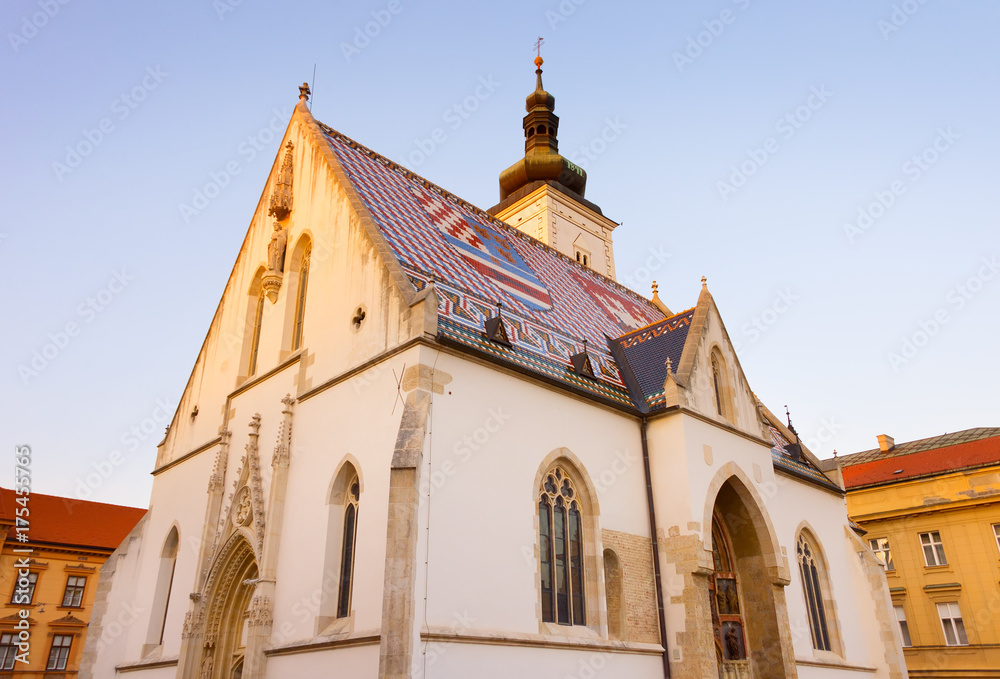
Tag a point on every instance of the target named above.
point(656, 288)
point(834, 453)
point(670, 366)
point(704, 282)
point(538, 64)
point(304, 92)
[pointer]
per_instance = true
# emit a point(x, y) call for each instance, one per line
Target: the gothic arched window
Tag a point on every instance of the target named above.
point(727, 613)
point(300, 301)
point(161, 591)
point(560, 535)
point(258, 319)
point(350, 539)
point(810, 572)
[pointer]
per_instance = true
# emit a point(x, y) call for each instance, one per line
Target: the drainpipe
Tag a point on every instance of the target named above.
point(656, 552)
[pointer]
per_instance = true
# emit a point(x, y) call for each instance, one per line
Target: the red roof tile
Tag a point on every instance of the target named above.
point(937, 460)
point(68, 521)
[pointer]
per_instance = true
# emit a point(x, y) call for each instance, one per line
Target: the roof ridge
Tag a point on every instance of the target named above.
point(428, 184)
point(650, 325)
point(988, 432)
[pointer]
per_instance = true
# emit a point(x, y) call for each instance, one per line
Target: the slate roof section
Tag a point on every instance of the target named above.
point(647, 350)
point(800, 467)
point(919, 445)
point(550, 302)
point(924, 461)
point(68, 521)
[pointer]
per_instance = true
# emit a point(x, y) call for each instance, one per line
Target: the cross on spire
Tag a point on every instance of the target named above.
point(538, 46)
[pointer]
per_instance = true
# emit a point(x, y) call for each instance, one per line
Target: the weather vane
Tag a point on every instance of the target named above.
point(538, 46)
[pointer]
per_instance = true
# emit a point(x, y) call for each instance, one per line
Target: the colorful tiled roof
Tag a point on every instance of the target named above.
point(800, 467)
point(942, 441)
point(925, 461)
point(67, 521)
point(550, 303)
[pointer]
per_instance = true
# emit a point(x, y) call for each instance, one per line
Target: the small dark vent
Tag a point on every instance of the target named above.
point(496, 331)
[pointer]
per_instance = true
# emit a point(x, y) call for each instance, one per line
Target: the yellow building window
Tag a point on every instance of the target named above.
point(8, 651)
point(996, 533)
point(904, 629)
point(933, 549)
point(951, 622)
point(880, 546)
point(59, 652)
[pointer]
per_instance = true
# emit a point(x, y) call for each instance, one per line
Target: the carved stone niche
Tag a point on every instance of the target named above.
point(281, 196)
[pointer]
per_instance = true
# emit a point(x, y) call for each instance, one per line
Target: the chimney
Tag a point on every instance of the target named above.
point(886, 443)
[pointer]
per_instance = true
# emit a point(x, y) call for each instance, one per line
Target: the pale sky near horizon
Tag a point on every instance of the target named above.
point(830, 168)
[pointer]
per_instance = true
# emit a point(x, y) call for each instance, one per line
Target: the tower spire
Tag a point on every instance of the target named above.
point(541, 161)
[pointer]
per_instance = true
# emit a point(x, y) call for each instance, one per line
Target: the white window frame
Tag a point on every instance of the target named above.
point(59, 652)
point(951, 621)
point(883, 552)
point(936, 545)
point(904, 627)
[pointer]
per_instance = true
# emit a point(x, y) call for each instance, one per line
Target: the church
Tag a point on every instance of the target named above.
point(424, 439)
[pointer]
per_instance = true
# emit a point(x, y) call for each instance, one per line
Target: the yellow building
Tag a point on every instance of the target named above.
point(48, 578)
point(932, 511)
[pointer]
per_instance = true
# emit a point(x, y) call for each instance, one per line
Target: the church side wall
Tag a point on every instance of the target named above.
point(492, 437)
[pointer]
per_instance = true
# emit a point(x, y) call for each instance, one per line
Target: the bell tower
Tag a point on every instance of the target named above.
point(542, 194)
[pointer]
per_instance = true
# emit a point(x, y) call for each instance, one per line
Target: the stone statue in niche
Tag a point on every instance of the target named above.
point(276, 249)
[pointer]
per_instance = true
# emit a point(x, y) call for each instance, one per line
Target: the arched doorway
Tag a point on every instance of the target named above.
point(230, 591)
point(746, 587)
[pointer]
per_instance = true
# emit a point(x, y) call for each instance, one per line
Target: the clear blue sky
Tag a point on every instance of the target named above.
point(686, 95)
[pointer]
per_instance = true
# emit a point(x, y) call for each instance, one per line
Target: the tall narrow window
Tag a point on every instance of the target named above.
point(951, 622)
point(24, 589)
point(717, 384)
point(727, 616)
point(560, 532)
point(347, 557)
point(59, 652)
point(73, 596)
point(258, 319)
point(809, 570)
point(996, 533)
point(8, 651)
point(933, 549)
point(904, 628)
point(300, 301)
point(161, 593)
point(880, 546)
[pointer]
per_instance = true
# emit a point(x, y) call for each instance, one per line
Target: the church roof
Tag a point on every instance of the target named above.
point(800, 466)
point(647, 349)
point(550, 303)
